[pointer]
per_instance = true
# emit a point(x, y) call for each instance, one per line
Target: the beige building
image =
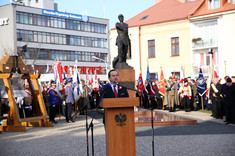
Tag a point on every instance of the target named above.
point(162, 35)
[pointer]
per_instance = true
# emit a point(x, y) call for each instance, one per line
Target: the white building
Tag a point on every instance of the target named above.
point(52, 35)
point(213, 27)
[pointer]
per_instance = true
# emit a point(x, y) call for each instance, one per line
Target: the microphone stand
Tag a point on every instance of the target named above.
point(85, 107)
point(91, 124)
point(152, 123)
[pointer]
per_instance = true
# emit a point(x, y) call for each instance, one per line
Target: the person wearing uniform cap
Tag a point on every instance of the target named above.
point(171, 94)
point(186, 95)
point(194, 95)
point(54, 100)
point(69, 100)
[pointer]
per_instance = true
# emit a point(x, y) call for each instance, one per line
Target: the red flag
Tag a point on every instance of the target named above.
point(174, 79)
point(161, 84)
point(96, 85)
point(47, 71)
point(68, 72)
point(140, 85)
point(215, 74)
point(92, 81)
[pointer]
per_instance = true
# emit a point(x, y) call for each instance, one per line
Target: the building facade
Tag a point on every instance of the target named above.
point(212, 30)
point(177, 36)
point(160, 39)
point(51, 35)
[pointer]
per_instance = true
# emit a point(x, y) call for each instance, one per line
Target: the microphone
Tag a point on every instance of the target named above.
point(114, 84)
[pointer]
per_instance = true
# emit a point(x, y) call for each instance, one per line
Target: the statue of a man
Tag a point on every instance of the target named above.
point(122, 40)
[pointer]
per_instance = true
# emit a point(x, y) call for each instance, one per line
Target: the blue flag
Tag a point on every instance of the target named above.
point(201, 85)
point(148, 75)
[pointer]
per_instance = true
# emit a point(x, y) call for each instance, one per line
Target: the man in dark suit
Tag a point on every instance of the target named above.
point(112, 89)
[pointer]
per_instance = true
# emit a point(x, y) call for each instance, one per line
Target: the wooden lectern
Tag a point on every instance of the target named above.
point(120, 126)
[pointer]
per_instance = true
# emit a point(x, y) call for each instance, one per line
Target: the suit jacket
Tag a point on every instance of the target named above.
point(108, 91)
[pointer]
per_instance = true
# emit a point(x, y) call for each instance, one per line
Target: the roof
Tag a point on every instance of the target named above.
point(224, 6)
point(165, 11)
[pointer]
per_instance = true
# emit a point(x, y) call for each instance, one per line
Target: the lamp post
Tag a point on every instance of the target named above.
point(106, 65)
point(211, 52)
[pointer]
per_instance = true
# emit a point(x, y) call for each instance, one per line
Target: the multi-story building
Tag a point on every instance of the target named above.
point(176, 35)
point(160, 37)
point(212, 30)
point(52, 35)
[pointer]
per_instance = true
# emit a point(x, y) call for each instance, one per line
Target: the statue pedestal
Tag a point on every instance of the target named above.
point(127, 79)
point(122, 65)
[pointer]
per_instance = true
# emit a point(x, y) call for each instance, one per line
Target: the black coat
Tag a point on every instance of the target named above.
point(229, 95)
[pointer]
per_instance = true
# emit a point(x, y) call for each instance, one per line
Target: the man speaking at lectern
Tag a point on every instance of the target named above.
point(112, 89)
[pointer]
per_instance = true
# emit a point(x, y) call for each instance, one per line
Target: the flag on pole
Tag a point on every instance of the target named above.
point(201, 85)
point(59, 80)
point(215, 74)
point(92, 81)
point(47, 71)
point(210, 75)
point(63, 71)
point(87, 75)
point(174, 79)
point(140, 85)
point(148, 75)
point(68, 72)
point(96, 85)
point(162, 83)
point(156, 76)
point(76, 84)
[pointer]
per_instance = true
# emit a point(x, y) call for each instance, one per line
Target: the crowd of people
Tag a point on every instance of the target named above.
point(183, 94)
point(178, 94)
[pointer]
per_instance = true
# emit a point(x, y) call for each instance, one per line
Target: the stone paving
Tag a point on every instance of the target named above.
point(208, 137)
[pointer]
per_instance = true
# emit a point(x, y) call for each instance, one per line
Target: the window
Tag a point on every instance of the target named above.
point(175, 46)
point(144, 17)
point(151, 48)
point(213, 4)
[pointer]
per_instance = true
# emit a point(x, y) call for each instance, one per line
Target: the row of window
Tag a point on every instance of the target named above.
point(48, 21)
point(52, 38)
point(49, 54)
point(174, 47)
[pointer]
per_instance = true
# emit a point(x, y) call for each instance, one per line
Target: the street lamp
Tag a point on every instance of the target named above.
point(106, 65)
point(211, 53)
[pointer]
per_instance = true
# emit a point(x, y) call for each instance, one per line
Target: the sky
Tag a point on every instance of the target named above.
point(109, 9)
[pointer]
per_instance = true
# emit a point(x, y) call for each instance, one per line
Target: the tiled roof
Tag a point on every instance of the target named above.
point(164, 11)
point(224, 6)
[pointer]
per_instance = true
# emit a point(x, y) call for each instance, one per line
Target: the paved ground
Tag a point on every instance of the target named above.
point(209, 137)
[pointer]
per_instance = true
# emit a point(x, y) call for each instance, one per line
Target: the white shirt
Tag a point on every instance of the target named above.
point(116, 87)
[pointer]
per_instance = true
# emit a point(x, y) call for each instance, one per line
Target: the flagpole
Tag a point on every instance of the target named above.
point(202, 102)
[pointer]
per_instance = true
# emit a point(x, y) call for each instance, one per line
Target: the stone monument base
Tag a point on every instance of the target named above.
point(127, 79)
point(122, 65)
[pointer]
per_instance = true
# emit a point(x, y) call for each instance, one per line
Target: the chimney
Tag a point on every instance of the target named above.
point(157, 1)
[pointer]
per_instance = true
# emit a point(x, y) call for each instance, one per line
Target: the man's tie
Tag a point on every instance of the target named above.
point(115, 91)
